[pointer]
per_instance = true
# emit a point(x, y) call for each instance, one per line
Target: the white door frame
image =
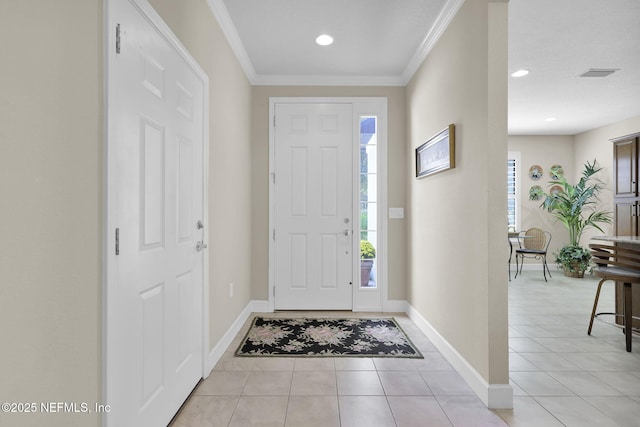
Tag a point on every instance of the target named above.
point(361, 106)
point(109, 275)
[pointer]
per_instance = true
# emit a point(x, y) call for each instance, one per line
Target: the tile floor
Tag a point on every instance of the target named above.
point(560, 376)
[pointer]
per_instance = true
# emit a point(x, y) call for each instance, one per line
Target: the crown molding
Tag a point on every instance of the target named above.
point(441, 23)
point(221, 14)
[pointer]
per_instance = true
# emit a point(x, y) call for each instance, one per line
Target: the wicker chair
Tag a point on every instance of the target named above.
point(534, 245)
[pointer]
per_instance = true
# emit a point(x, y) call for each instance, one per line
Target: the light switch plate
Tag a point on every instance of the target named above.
point(396, 213)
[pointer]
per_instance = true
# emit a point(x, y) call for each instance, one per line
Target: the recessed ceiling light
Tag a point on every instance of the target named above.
point(520, 73)
point(550, 119)
point(324, 40)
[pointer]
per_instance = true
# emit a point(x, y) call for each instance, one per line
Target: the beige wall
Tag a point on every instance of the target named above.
point(543, 151)
point(51, 206)
point(51, 187)
point(457, 279)
point(260, 176)
point(596, 144)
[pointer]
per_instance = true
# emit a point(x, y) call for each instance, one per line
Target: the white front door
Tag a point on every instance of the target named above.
point(154, 307)
point(313, 206)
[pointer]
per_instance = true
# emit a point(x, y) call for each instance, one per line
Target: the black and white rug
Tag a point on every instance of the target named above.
point(381, 337)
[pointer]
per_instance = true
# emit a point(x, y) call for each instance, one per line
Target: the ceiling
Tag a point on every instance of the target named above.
point(382, 42)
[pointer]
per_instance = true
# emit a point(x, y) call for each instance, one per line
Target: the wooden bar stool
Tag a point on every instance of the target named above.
point(620, 264)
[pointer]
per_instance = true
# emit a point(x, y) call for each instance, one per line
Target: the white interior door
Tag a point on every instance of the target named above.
point(313, 206)
point(154, 297)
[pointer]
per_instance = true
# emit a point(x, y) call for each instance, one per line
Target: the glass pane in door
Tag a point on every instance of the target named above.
point(368, 201)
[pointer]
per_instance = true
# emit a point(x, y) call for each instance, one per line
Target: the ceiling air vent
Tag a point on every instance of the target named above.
point(599, 72)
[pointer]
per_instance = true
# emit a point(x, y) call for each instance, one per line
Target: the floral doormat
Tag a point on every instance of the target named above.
point(380, 337)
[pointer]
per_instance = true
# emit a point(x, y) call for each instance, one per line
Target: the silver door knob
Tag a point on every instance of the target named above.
point(200, 246)
point(347, 232)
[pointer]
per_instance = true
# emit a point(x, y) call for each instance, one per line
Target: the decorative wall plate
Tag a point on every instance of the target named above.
point(555, 190)
point(556, 172)
point(535, 192)
point(535, 172)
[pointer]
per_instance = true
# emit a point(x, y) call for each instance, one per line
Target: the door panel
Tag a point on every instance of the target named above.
point(626, 221)
point(154, 343)
point(624, 153)
point(313, 206)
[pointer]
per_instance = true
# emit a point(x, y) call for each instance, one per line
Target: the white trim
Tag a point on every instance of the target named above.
point(494, 396)
point(253, 306)
point(220, 12)
point(361, 106)
point(109, 210)
point(228, 28)
point(449, 10)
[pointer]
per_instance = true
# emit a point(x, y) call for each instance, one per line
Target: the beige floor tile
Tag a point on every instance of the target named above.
point(621, 409)
point(584, 384)
point(527, 412)
point(274, 364)
point(446, 383)
point(314, 383)
point(527, 345)
point(417, 411)
point(469, 411)
point(223, 383)
point(517, 391)
point(354, 364)
point(358, 383)
point(625, 382)
point(433, 361)
point(539, 384)
point(575, 412)
point(230, 362)
point(260, 411)
point(206, 411)
point(393, 364)
point(365, 411)
point(517, 363)
point(268, 383)
point(313, 411)
point(314, 364)
point(549, 362)
point(403, 383)
point(558, 345)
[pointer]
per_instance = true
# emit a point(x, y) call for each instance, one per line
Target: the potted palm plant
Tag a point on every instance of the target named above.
point(576, 207)
point(367, 255)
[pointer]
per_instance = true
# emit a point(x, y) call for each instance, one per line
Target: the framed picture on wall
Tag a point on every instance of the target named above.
point(437, 154)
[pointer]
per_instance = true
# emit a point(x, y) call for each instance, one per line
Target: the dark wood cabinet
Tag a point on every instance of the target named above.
point(626, 203)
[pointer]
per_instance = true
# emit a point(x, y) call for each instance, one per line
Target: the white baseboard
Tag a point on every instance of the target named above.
point(494, 396)
point(254, 306)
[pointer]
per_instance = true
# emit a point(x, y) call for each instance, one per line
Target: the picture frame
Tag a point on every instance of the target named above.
point(437, 154)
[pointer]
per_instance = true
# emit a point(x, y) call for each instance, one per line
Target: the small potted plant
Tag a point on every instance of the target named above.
point(576, 207)
point(367, 255)
point(574, 260)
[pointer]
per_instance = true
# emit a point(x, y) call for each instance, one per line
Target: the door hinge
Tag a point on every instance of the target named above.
point(117, 241)
point(273, 235)
point(118, 39)
point(274, 291)
point(273, 177)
